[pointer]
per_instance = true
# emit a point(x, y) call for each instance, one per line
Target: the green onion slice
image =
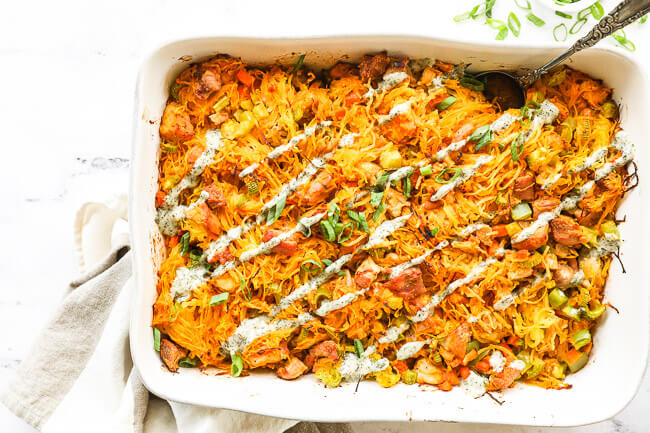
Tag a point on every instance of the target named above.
point(513, 24)
point(502, 34)
point(456, 171)
point(375, 198)
point(575, 28)
point(560, 33)
point(378, 212)
point(495, 24)
point(299, 63)
point(522, 5)
point(643, 19)
point(597, 10)
point(535, 19)
point(358, 347)
point(359, 218)
point(580, 338)
point(426, 170)
point(478, 133)
point(333, 213)
point(406, 187)
point(309, 269)
point(446, 103)
point(516, 147)
point(328, 262)
point(187, 362)
point(156, 339)
point(328, 231)
point(563, 15)
point(219, 299)
point(620, 37)
point(472, 83)
point(274, 213)
point(341, 236)
point(237, 365)
point(485, 139)
point(244, 288)
point(185, 243)
point(382, 179)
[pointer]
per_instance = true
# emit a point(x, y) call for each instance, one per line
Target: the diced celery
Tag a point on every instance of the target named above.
point(557, 298)
point(522, 211)
point(610, 231)
point(580, 338)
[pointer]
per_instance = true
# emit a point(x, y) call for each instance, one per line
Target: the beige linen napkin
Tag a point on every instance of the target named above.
point(79, 375)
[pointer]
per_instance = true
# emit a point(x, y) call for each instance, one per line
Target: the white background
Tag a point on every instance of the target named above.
point(66, 100)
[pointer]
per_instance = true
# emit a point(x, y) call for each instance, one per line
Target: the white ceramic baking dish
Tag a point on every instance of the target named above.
point(600, 390)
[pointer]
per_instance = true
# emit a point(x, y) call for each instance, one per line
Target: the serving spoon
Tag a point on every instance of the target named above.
point(509, 90)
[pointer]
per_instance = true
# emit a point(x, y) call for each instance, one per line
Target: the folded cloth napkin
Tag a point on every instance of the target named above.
point(79, 375)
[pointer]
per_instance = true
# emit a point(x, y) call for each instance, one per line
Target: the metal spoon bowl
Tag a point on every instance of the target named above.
point(508, 90)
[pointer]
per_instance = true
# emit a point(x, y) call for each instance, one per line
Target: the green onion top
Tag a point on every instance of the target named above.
point(219, 299)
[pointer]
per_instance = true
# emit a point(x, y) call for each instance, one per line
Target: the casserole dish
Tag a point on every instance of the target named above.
point(618, 360)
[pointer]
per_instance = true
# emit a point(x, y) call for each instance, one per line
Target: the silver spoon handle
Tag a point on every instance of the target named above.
point(625, 13)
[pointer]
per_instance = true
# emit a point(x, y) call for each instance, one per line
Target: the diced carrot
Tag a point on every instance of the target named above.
point(445, 386)
point(244, 92)
point(245, 78)
point(483, 365)
point(160, 198)
point(452, 378)
point(499, 231)
point(173, 241)
point(513, 340)
point(339, 114)
point(464, 372)
point(400, 366)
point(352, 98)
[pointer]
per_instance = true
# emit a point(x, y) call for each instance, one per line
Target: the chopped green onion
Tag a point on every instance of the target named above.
point(340, 238)
point(219, 299)
point(169, 148)
point(185, 243)
point(643, 19)
point(597, 10)
point(274, 213)
point(478, 133)
point(472, 345)
point(571, 312)
point(595, 313)
point(196, 254)
point(382, 179)
point(495, 24)
point(620, 37)
point(358, 347)
point(471, 83)
point(456, 171)
point(375, 198)
point(156, 339)
point(580, 338)
point(328, 231)
point(446, 103)
point(584, 13)
point(610, 230)
point(557, 298)
point(521, 211)
point(502, 34)
point(426, 170)
point(187, 362)
point(563, 15)
point(328, 262)
point(299, 63)
point(237, 365)
point(363, 224)
point(308, 269)
point(514, 24)
point(406, 186)
point(560, 33)
point(575, 28)
point(535, 19)
point(525, 6)
point(485, 139)
point(173, 90)
point(244, 289)
point(333, 214)
point(489, 4)
point(378, 212)
point(516, 147)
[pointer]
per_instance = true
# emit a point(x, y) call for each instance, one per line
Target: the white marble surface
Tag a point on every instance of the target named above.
point(68, 74)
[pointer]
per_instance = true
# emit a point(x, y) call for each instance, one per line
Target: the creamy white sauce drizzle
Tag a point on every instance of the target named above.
point(474, 385)
point(185, 281)
point(408, 350)
point(275, 153)
point(336, 304)
point(509, 299)
point(170, 212)
point(497, 361)
point(620, 142)
point(465, 174)
point(605, 247)
point(398, 109)
point(389, 80)
point(354, 368)
point(503, 122)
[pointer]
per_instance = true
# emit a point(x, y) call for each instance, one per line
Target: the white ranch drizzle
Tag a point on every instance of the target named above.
point(509, 299)
point(474, 385)
point(497, 361)
point(168, 213)
point(592, 159)
point(408, 350)
point(621, 143)
point(336, 304)
point(275, 153)
point(185, 281)
point(302, 178)
point(250, 329)
point(465, 174)
point(398, 109)
point(354, 368)
point(604, 248)
point(388, 80)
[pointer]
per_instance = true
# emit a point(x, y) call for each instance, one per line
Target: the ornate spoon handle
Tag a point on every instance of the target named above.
point(625, 13)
